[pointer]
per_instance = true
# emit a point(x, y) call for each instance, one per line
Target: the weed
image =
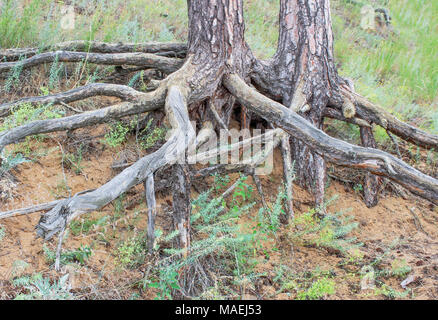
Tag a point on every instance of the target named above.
point(40, 288)
point(400, 268)
point(149, 137)
point(84, 226)
point(117, 134)
point(74, 160)
point(321, 288)
point(79, 255)
point(131, 252)
point(25, 113)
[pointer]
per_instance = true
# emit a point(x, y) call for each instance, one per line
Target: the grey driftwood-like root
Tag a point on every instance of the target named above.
point(145, 103)
point(152, 210)
point(287, 175)
point(176, 109)
point(169, 49)
point(90, 90)
point(146, 60)
point(334, 150)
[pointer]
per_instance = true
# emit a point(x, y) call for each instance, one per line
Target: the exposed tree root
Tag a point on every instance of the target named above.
point(372, 183)
point(288, 174)
point(334, 150)
point(152, 210)
point(146, 60)
point(80, 93)
point(182, 207)
point(216, 74)
point(52, 222)
point(146, 102)
point(170, 49)
point(375, 114)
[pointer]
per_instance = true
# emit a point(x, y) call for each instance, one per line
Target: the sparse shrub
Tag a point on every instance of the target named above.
point(400, 268)
point(131, 251)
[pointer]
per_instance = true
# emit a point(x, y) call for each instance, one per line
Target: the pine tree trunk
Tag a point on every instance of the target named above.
point(303, 77)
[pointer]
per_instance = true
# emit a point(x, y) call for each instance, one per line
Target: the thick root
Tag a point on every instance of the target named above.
point(176, 108)
point(146, 60)
point(91, 90)
point(334, 150)
point(170, 49)
point(147, 102)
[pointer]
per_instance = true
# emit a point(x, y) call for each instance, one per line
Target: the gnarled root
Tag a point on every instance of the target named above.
point(91, 90)
point(176, 109)
point(334, 150)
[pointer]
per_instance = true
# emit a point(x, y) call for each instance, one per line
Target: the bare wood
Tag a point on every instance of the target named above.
point(287, 175)
point(259, 187)
point(80, 93)
point(146, 60)
point(170, 49)
point(182, 207)
point(334, 150)
point(371, 183)
point(152, 210)
point(29, 210)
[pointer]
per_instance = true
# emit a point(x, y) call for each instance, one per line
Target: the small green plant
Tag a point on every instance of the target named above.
point(74, 160)
point(321, 288)
point(40, 288)
point(389, 292)
point(117, 134)
point(9, 161)
point(84, 225)
point(131, 251)
point(79, 255)
point(220, 181)
point(331, 231)
point(26, 112)
point(149, 137)
point(400, 268)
